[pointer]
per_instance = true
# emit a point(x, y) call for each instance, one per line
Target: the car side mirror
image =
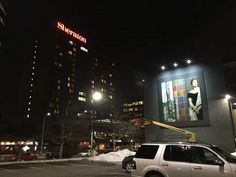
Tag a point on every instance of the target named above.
point(219, 162)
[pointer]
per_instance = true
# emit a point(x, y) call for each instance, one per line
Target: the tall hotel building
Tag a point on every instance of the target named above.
point(3, 14)
point(63, 72)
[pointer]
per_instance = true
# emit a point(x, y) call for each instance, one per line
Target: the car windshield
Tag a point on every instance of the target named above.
point(224, 154)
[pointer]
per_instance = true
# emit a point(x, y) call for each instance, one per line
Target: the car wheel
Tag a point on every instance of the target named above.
point(128, 167)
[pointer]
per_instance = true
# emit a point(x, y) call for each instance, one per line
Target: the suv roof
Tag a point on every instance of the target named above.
point(179, 142)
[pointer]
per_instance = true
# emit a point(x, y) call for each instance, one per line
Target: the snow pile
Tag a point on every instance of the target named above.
point(115, 157)
point(233, 153)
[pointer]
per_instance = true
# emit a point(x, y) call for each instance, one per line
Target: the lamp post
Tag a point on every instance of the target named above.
point(95, 97)
point(42, 136)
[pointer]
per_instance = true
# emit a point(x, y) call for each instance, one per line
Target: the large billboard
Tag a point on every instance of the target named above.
point(183, 100)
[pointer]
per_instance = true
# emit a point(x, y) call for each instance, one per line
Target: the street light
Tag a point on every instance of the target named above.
point(43, 128)
point(95, 97)
point(228, 97)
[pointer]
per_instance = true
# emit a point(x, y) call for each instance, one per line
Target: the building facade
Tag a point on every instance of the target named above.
point(135, 109)
point(191, 97)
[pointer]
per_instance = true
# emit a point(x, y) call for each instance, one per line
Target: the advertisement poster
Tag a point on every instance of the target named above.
point(182, 99)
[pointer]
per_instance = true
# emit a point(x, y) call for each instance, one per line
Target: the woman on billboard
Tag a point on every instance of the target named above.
point(195, 101)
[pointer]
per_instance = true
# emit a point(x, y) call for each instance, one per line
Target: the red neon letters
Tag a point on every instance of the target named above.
point(62, 27)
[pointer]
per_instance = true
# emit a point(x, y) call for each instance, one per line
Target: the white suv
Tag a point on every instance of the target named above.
point(183, 159)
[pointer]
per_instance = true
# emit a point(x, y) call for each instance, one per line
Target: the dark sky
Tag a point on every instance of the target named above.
point(138, 35)
point(134, 30)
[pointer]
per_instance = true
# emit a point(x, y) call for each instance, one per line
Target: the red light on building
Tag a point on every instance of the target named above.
point(62, 27)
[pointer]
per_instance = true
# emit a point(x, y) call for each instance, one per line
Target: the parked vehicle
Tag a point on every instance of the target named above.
point(127, 163)
point(24, 156)
point(183, 159)
point(86, 153)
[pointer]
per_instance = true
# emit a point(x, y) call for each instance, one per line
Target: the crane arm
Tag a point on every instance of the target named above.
point(191, 137)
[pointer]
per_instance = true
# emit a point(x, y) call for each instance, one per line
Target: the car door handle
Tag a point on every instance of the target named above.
point(164, 164)
point(197, 168)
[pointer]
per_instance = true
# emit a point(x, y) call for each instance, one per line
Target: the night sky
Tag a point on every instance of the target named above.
point(139, 36)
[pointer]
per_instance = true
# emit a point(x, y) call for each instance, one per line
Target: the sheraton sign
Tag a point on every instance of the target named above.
point(62, 27)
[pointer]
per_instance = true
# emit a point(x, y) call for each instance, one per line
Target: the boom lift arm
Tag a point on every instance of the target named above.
point(191, 137)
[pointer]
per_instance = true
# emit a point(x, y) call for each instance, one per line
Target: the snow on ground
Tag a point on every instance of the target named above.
point(115, 157)
point(233, 153)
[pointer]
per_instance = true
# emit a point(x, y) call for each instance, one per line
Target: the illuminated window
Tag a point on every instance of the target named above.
point(83, 49)
point(70, 52)
point(60, 54)
point(28, 109)
point(33, 62)
point(71, 42)
point(58, 87)
point(35, 46)
point(92, 81)
point(110, 75)
point(30, 97)
point(58, 81)
point(102, 89)
point(110, 84)
point(60, 65)
point(34, 57)
point(82, 99)
point(125, 105)
point(33, 68)
point(31, 85)
point(28, 115)
point(74, 49)
point(35, 51)
point(32, 73)
point(32, 79)
point(110, 96)
point(29, 103)
point(82, 93)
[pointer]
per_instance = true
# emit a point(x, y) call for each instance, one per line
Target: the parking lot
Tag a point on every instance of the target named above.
point(80, 168)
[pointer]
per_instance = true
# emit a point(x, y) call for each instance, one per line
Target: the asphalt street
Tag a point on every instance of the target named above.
point(81, 168)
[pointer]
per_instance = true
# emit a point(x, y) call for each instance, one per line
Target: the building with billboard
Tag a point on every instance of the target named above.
point(190, 96)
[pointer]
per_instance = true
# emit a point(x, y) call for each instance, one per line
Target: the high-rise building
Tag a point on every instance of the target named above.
point(102, 80)
point(64, 72)
point(3, 14)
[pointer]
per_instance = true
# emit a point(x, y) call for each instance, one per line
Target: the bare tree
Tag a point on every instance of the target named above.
point(66, 128)
point(122, 128)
